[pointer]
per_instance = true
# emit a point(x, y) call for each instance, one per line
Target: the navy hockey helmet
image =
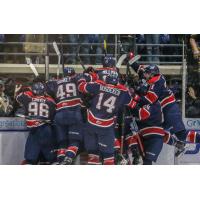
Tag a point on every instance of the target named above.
point(151, 70)
point(68, 71)
point(38, 88)
point(109, 61)
point(112, 78)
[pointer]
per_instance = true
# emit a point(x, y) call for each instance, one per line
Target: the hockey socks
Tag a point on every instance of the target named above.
point(93, 159)
point(193, 136)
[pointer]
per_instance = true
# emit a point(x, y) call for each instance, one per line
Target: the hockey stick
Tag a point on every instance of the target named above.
point(134, 59)
point(30, 64)
point(134, 130)
point(121, 60)
point(59, 57)
point(105, 47)
point(123, 132)
point(62, 54)
point(79, 58)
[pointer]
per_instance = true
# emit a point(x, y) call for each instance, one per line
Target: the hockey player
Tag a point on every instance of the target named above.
point(107, 98)
point(68, 119)
point(150, 131)
point(158, 91)
point(109, 65)
point(39, 112)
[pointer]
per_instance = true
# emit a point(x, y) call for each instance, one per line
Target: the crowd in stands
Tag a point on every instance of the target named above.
point(93, 45)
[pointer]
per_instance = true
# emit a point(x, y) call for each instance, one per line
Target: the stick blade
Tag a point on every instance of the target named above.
point(121, 60)
point(28, 60)
point(55, 46)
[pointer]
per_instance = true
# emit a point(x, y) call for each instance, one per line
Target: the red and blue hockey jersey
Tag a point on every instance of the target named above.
point(65, 92)
point(152, 124)
point(105, 102)
point(38, 109)
point(158, 91)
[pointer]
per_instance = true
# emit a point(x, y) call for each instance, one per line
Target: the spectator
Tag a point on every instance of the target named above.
point(152, 50)
point(192, 104)
point(5, 103)
point(87, 42)
point(97, 49)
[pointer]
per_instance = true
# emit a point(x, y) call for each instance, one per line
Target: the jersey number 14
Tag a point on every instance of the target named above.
point(108, 103)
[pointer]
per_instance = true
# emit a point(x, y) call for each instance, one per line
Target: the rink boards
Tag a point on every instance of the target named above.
point(13, 134)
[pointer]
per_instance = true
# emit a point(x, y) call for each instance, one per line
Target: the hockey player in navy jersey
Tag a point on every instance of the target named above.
point(68, 119)
point(108, 65)
point(107, 98)
point(158, 91)
point(39, 112)
point(150, 131)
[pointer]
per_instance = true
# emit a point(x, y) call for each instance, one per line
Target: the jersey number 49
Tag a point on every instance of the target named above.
point(65, 91)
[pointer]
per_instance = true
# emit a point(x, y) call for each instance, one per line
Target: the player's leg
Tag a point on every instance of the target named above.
point(61, 136)
point(32, 148)
point(106, 138)
point(75, 136)
point(135, 150)
point(47, 143)
point(153, 145)
point(173, 122)
point(91, 146)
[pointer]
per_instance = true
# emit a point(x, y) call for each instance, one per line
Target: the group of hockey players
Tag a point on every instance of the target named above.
point(115, 119)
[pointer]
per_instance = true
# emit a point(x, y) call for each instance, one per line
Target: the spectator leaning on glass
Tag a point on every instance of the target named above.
point(5, 106)
point(193, 105)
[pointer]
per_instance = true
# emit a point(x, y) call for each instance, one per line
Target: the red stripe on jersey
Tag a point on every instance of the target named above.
point(132, 103)
point(143, 114)
point(34, 123)
point(151, 96)
point(93, 76)
point(118, 86)
point(50, 99)
point(117, 143)
point(82, 87)
point(68, 103)
point(31, 95)
point(152, 131)
point(167, 137)
point(136, 97)
point(167, 100)
point(191, 137)
point(99, 122)
point(154, 79)
point(130, 141)
point(134, 140)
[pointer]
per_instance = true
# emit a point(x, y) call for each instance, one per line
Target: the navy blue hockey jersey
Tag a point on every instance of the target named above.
point(106, 101)
point(38, 109)
point(158, 91)
point(65, 92)
point(152, 124)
